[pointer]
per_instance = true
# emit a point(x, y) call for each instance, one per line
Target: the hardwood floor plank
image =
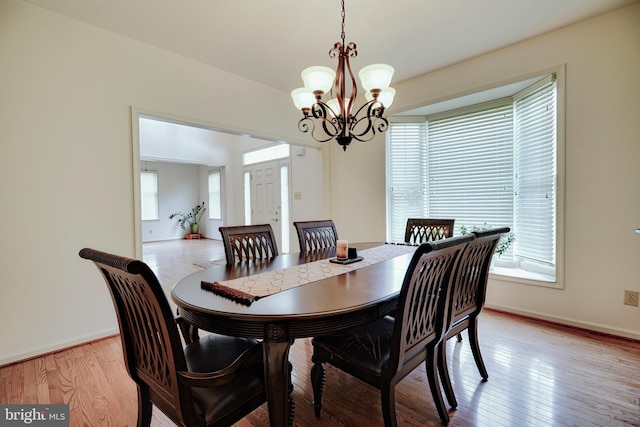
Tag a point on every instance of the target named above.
point(29, 385)
point(102, 401)
point(16, 386)
point(42, 388)
point(53, 381)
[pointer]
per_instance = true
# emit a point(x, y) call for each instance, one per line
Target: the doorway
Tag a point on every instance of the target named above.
point(176, 140)
point(268, 200)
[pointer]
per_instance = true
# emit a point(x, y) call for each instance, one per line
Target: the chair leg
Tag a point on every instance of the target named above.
point(475, 348)
point(292, 403)
point(318, 377)
point(432, 375)
point(145, 407)
point(188, 331)
point(459, 337)
point(388, 398)
point(443, 370)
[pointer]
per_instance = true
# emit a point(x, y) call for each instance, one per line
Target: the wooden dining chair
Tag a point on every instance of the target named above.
point(315, 235)
point(467, 301)
point(248, 242)
point(420, 230)
point(214, 380)
point(382, 353)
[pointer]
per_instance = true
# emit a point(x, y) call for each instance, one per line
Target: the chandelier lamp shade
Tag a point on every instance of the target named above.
point(338, 116)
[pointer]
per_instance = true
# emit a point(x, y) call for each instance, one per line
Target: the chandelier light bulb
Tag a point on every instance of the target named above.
point(335, 105)
point(385, 97)
point(318, 78)
point(376, 76)
point(302, 98)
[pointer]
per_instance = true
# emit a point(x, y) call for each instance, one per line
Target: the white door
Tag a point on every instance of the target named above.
point(266, 197)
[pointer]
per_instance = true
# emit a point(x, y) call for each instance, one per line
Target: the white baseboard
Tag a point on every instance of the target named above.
point(10, 359)
point(595, 327)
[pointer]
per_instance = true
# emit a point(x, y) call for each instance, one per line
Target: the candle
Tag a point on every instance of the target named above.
point(341, 249)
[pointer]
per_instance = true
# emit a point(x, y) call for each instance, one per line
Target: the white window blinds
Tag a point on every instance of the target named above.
point(149, 195)
point(535, 171)
point(406, 176)
point(215, 195)
point(471, 166)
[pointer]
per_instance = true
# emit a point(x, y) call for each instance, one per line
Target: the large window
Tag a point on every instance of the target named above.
point(492, 164)
point(149, 195)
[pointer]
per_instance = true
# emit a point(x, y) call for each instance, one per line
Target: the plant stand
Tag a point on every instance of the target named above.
point(193, 236)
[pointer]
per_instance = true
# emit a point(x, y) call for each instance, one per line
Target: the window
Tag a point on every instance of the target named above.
point(274, 152)
point(215, 194)
point(247, 198)
point(493, 163)
point(284, 206)
point(149, 195)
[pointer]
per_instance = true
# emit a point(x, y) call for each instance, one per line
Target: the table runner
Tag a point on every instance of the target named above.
point(245, 290)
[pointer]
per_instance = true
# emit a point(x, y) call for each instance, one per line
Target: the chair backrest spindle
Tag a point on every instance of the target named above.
point(315, 235)
point(420, 230)
point(248, 242)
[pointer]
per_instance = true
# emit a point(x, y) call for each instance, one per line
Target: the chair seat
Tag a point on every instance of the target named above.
point(365, 350)
point(215, 352)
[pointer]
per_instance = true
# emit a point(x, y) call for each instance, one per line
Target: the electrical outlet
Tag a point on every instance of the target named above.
point(631, 298)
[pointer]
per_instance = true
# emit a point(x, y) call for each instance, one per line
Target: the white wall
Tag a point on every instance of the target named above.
point(602, 201)
point(306, 181)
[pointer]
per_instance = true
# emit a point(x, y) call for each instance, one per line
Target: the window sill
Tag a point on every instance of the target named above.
point(516, 275)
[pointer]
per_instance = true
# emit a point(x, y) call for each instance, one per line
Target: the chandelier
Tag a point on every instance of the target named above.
point(339, 117)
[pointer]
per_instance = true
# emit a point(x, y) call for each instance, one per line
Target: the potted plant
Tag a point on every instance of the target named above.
point(503, 244)
point(192, 218)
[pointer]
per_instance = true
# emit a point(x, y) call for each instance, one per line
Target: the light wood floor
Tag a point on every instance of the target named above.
point(539, 375)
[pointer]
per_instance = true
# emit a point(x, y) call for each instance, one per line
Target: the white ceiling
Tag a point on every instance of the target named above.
point(271, 41)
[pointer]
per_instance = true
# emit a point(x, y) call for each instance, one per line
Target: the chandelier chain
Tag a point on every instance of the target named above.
point(343, 15)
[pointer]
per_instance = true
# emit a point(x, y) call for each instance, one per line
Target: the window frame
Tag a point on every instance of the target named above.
point(510, 274)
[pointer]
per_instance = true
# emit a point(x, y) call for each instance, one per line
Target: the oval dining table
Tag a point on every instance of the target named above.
point(321, 307)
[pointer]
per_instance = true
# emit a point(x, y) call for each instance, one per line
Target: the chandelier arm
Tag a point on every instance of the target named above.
point(308, 125)
point(374, 109)
point(373, 119)
point(370, 133)
point(331, 127)
point(331, 121)
point(319, 110)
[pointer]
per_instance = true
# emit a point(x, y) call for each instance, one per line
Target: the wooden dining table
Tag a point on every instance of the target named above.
point(317, 308)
